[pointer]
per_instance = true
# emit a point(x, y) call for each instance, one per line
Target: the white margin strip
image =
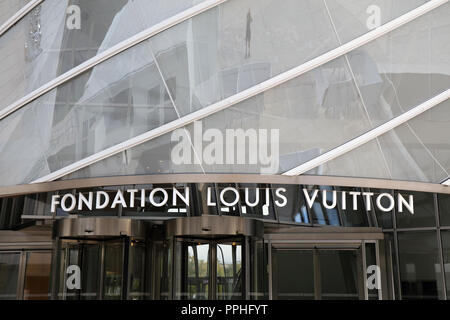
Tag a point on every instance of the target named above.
point(19, 15)
point(370, 135)
point(248, 93)
point(111, 52)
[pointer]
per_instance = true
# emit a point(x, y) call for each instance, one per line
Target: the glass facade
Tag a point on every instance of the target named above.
point(154, 112)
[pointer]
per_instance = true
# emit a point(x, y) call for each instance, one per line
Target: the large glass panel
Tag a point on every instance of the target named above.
point(420, 270)
point(10, 7)
point(150, 157)
point(384, 218)
point(371, 260)
point(258, 270)
point(163, 270)
point(100, 108)
point(37, 276)
point(445, 234)
point(193, 277)
point(353, 18)
point(61, 34)
point(444, 209)
point(295, 210)
point(9, 273)
point(417, 151)
point(112, 273)
point(136, 271)
point(229, 271)
point(395, 73)
point(424, 211)
point(239, 44)
point(319, 213)
point(293, 274)
point(339, 282)
point(90, 272)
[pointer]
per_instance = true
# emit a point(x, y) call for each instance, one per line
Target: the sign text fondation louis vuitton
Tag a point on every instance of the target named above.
point(229, 196)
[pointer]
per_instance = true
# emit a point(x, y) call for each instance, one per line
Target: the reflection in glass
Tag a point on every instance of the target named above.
point(37, 276)
point(424, 214)
point(136, 271)
point(338, 274)
point(112, 282)
point(229, 271)
point(9, 272)
point(293, 274)
point(193, 271)
point(420, 270)
point(444, 209)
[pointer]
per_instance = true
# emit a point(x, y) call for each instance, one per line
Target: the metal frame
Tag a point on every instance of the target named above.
point(19, 15)
point(215, 107)
point(336, 244)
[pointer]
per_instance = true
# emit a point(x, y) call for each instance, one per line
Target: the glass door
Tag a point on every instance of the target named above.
point(208, 269)
point(90, 270)
point(317, 274)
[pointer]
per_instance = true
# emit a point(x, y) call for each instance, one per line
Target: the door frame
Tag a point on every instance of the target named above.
point(78, 242)
point(212, 256)
point(317, 245)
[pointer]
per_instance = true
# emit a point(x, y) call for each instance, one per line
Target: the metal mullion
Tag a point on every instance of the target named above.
point(364, 267)
point(440, 247)
point(317, 280)
point(397, 258)
point(269, 268)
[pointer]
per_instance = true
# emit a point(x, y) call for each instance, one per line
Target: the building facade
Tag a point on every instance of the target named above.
point(224, 149)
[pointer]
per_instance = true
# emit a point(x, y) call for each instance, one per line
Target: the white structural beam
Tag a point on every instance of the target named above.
point(248, 93)
point(370, 135)
point(19, 15)
point(447, 182)
point(109, 53)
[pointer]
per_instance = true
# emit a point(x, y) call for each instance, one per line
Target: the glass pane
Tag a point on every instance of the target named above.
point(98, 109)
point(371, 260)
point(445, 234)
point(415, 151)
point(90, 272)
point(420, 270)
point(320, 214)
point(384, 218)
point(258, 270)
point(444, 209)
point(152, 157)
point(60, 34)
point(192, 271)
point(353, 18)
point(339, 282)
point(163, 271)
point(136, 272)
point(112, 286)
point(394, 73)
point(295, 210)
point(293, 274)
point(10, 7)
point(9, 273)
point(229, 271)
point(424, 214)
point(37, 276)
point(220, 53)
